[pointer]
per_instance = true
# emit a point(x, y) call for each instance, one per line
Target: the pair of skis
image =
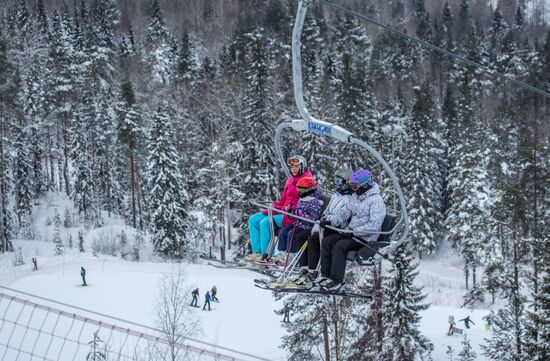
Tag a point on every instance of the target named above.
point(265, 268)
point(291, 287)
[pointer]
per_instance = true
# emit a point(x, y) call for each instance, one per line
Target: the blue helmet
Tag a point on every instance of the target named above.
point(361, 178)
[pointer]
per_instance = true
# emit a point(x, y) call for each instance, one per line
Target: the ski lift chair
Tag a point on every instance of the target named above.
point(365, 255)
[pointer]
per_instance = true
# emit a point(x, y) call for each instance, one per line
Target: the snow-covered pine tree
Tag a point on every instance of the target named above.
point(538, 323)
point(259, 163)
point(22, 172)
point(466, 354)
point(59, 249)
point(160, 55)
point(130, 136)
point(186, 63)
point(80, 241)
point(468, 183)
point(321, 329)
point(8, 108)
point(508, 340)
point(420, 171)
point(169, 220)
point(403, 302)
point(34, 107)
point(59, 90)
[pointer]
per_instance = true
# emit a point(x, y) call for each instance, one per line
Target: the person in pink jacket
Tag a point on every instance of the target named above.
point(258, 223)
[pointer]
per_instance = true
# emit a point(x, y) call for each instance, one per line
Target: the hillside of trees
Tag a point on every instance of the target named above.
point(150, 110)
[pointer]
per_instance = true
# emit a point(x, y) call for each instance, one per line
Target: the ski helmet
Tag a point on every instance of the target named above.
point(341, 181)
point(361, 181)
point(306, 186)
point(297, 160)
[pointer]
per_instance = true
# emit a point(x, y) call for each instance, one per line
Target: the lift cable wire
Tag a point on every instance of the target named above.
point(437, 48)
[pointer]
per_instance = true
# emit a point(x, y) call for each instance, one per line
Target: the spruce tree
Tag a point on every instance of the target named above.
point(169, 220)
point(421, 172)
point(403, 302)
point(59, 247)
point(259, 122)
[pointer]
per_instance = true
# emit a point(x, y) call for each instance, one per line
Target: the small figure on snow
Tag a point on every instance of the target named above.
point(488, 321)
point(195, 295)
point(286, 311)
point(206, 301)
point(451, 325)
point(213, 293)
point(467, 321)
point(34, 264)
point(83, 275)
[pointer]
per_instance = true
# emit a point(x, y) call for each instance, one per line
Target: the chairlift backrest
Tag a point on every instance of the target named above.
point(387, 225)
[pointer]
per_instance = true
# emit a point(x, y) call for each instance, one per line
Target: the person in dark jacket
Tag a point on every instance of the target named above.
point(206, 301)
point(286, 312)
point(83, 275)
point(195, 295)
point(213, 293)
point(467, 322)
point(367, 212)
point(292, 237)
point(34, 264)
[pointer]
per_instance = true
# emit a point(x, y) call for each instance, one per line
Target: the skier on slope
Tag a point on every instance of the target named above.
point(207, 298)
point(83, 275)
point(213, 293)
point(309, 206)
point(467, 322)
point(195, 295)
point(258, 223)
point(336, 215)
point(367, 211)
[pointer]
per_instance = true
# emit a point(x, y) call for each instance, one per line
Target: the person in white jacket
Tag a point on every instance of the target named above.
point(367, 210)
point(335, 214)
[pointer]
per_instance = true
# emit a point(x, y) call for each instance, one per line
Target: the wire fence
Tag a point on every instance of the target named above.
point(33, 331)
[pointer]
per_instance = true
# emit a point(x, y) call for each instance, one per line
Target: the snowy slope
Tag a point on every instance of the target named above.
point(243, 320)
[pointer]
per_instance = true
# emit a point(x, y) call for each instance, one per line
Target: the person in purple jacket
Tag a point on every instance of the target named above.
point(292, 237)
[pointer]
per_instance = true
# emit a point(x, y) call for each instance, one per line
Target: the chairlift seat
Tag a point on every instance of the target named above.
point(365, 255)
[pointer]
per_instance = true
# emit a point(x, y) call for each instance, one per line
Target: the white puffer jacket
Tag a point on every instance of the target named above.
point(336, 212)
point(367, 213)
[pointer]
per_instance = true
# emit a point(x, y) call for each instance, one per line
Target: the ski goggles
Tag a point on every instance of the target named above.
point(339, 182)
point(293, 161)
point(356, 186)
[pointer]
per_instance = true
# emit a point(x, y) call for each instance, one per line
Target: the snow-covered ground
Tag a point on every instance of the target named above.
point(243, 319)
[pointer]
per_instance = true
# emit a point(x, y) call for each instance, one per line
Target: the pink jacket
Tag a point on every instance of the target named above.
point(289, 198)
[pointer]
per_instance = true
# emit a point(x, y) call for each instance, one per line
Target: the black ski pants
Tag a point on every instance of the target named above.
point(300, 239)
point(314, 249)
point(333, 255)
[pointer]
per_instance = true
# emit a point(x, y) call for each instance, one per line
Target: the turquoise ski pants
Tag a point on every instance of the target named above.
point(258, 226)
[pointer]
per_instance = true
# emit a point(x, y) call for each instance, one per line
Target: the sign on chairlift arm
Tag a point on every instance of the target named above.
point(320, 128)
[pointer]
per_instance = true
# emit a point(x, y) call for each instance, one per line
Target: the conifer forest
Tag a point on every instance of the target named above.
point(158, 110)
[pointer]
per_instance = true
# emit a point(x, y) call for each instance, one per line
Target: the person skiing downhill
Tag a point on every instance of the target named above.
point(467, 322)
point(83, 275)
point(367, 211)
point(258, 223)
point(206, 301)
point(195, 295)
